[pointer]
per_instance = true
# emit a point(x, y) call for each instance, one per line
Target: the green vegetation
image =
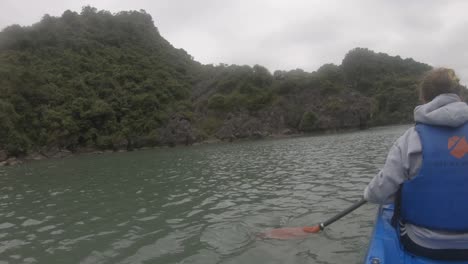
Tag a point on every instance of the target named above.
point(308, 122)
point(88, 80)
point(390, 81)
point(110, 81)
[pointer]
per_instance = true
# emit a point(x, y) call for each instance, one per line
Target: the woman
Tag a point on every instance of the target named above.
point(426, 173)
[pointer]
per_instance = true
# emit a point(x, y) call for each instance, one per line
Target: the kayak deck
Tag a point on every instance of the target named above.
point(385, 247)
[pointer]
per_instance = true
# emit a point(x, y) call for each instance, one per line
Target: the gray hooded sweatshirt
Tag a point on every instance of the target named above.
point(404, 161)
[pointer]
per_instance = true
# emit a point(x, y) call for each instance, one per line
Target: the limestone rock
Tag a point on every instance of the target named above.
point(3, 155)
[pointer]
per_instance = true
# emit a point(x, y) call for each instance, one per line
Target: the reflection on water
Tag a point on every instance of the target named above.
point(202, 204)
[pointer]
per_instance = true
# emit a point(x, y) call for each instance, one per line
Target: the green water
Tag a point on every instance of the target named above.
point(201, 204)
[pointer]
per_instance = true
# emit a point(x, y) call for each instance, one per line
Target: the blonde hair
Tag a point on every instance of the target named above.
point(439, 81)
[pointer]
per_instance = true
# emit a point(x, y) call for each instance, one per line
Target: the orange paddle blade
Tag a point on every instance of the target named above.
point(290, 232)
point(312, 229)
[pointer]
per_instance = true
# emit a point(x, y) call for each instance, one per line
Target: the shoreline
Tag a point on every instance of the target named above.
point(63, 153)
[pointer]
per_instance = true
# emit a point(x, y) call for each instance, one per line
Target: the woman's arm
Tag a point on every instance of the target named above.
point(403, 162)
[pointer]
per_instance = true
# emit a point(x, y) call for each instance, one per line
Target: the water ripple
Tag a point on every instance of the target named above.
point(202, 204)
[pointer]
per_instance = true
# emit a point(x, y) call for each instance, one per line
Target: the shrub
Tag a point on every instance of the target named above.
point(308, 122)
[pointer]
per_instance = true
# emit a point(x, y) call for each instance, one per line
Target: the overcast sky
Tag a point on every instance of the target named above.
point(289, 34)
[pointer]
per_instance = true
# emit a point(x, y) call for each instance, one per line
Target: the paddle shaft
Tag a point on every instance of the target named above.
point(343, 213)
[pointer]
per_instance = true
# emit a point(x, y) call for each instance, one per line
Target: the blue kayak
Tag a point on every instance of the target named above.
point(385, 247)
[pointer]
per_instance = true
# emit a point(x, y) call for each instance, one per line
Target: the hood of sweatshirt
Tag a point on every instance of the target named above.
point(444, 110)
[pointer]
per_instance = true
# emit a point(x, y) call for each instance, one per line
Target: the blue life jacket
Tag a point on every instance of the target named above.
point(437, 197)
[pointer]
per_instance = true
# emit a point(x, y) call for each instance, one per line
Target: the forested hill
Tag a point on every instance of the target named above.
point(89, 80)
point(97, 80)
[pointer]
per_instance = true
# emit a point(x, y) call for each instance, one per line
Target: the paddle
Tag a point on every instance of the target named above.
point(300, 232)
